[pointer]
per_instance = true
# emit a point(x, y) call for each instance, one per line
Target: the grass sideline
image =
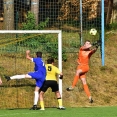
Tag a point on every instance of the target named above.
point(69, 112)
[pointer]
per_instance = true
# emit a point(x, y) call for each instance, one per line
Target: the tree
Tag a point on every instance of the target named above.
point(109, 11)
point(9, 14)
point(35, 9)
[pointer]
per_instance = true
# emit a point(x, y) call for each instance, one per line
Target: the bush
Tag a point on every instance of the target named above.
point(112, 26)
point(42, 41)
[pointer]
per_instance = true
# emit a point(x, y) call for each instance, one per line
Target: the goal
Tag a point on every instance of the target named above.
point(6, 33)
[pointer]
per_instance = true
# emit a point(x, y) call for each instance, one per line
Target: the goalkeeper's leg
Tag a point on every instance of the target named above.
point(76, 78)
point(86, 89)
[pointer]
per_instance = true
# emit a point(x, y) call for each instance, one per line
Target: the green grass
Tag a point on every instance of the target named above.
point(69, 112)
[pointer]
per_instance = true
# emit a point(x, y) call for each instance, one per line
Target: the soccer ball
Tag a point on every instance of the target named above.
point(93, 31)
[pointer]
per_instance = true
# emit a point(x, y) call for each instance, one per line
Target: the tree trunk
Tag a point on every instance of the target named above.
point(35, 9)
point(109, 11)
point(8, 14)
point(114, 13)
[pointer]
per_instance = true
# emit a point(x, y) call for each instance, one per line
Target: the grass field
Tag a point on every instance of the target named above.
point(69, 112)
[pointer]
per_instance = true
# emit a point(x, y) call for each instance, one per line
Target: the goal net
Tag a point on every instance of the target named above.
point(13, 44)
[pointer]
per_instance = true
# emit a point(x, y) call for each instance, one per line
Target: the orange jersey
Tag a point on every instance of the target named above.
point(84, 56)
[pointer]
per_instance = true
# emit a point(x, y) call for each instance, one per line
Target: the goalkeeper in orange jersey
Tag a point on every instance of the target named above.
point(84, 55)
point(51, 82)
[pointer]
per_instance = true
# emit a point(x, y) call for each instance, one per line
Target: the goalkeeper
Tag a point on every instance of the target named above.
point(51, 81)
point(84, 55)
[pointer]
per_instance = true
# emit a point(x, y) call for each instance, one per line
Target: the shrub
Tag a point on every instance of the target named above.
point(42, 41)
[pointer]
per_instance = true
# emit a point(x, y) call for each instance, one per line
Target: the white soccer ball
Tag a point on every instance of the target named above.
point(93, 31)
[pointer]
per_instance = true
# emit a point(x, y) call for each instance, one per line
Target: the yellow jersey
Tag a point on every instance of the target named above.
point(52, 72)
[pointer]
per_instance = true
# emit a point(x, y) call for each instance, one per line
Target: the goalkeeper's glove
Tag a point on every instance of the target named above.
point(61, 76)
point(97, 43)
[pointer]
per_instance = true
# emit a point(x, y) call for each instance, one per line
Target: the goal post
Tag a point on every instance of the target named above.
point(59, 32)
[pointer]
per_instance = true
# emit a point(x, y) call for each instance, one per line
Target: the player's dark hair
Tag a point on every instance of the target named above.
point(87, 41)
point(50, 61)
point(39, 54)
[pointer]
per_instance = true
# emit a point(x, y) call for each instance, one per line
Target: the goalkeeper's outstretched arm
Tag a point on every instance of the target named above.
point(94, 49)
point(96, 45)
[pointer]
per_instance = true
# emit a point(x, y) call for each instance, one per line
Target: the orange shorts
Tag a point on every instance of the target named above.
point(85, 69)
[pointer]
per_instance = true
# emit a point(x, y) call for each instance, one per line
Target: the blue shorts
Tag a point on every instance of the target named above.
point(39, 77)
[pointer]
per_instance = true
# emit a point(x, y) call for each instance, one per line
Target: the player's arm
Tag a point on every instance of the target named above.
point(28, 55)
point(96, 44)
point(0, 81)
point(94, 50)
point(61, 75)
